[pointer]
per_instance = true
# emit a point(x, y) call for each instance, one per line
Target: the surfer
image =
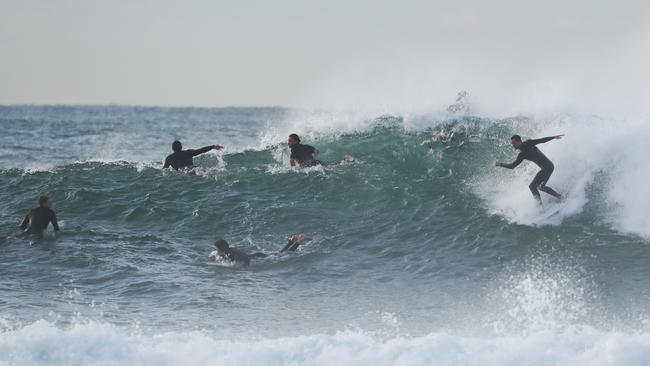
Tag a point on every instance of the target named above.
point(225, 252)
point(528, 151)
point(305, 155)
point(180, 158)
point(39, 218)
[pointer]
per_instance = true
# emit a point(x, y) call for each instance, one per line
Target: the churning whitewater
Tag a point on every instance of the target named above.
point(423, 252)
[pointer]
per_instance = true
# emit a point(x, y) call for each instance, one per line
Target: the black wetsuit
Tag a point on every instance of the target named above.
point(529, 151)
point(241, 257)
point(38, 219)
point(304, 155)
point(245, 258)
point(183, 159)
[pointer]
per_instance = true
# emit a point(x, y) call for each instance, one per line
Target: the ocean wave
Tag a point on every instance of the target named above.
point(597, 163)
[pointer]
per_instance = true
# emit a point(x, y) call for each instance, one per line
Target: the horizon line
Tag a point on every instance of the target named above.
point(144, 105)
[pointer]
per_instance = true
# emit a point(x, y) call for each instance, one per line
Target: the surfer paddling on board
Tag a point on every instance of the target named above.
point(528, 151)
point(180, 158)
point(305, 155)
point(225, 252)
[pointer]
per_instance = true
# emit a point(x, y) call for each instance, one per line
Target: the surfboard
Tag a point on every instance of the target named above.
point(552, 209)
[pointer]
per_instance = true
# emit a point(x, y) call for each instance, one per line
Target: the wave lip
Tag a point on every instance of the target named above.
point(42, 343)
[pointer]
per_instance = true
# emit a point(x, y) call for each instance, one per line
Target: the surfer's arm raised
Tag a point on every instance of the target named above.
point(545, 139)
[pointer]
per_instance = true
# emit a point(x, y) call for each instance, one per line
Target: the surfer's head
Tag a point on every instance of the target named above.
point(222, 247)
point(293, 140)
point(44, 201)
point(516, 141)
point(177, 146)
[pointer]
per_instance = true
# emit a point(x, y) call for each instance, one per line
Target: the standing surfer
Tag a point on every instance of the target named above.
point(528, 151)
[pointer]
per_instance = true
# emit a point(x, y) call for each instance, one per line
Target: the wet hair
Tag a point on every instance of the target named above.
point(177, 146)
point(222, 245)
point(516, 138)
point(295, 137)
point(42, 200)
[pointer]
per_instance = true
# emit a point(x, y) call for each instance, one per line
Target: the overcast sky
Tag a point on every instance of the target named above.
point(283, 52)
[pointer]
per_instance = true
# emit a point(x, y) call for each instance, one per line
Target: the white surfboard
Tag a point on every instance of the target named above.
point(551, 209)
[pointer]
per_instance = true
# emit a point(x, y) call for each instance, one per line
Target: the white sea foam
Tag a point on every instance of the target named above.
point(42, 343)
point(535, 316)
point(542, 294)
point(539, 311)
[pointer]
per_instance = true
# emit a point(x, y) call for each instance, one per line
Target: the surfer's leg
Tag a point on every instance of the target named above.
point(546, 189)
point(537, 181)
point(550, 191)
point(294, 242)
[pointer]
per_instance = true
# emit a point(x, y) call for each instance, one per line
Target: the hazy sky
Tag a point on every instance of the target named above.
point(216, 53)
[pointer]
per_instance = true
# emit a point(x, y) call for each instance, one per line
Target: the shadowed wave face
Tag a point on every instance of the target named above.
point(419, 244)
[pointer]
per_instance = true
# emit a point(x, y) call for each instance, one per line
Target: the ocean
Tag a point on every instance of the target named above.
point(424, 253)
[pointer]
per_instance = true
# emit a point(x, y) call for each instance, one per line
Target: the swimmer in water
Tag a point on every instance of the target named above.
point(38, 219)
point(180, 158)
point(225, 252)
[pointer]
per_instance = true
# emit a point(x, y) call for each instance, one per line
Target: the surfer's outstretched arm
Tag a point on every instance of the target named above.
point(204, 150)
point(512, 165)
point(545, 139)
point(294, 242)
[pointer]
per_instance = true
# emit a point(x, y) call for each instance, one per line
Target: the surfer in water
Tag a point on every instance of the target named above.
point(305, 155)
point(528, 151)
point(180, 158)
point(225, 252)
point(39, 218)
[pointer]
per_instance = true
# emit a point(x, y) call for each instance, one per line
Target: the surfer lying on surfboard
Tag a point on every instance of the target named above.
point(225, 252)
point(528, 151)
